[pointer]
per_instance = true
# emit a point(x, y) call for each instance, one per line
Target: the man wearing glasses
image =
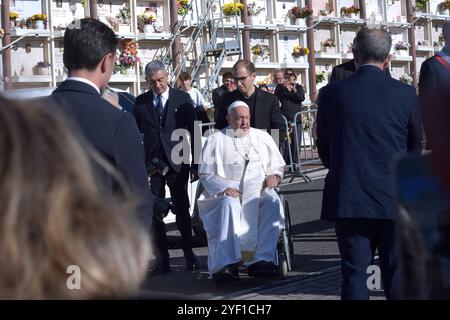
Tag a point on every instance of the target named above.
point(264, 107)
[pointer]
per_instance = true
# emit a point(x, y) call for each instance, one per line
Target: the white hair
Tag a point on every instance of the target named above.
point(237, 103)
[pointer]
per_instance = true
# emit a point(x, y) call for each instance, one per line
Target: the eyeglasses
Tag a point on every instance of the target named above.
point(242, 79)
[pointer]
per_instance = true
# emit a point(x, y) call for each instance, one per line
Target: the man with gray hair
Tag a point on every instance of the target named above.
point(159, 112)
point(435, 71)
point(365, 122)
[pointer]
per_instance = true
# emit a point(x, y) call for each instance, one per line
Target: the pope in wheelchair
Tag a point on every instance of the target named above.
point(241, 212)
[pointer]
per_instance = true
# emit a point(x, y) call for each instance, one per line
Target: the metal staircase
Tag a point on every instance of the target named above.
point(205, 49)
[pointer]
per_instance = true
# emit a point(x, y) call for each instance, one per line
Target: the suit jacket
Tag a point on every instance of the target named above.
point(217, 94)
point(359, 133)
point(291, 102)
point(265, 115)
point(179, 113)
point(112, 133)
point(345, 70)
point(433, 77)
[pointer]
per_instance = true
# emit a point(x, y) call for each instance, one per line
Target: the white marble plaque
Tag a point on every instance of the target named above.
point(26, 57)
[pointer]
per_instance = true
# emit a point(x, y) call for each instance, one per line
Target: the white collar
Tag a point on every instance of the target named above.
point(86, 81)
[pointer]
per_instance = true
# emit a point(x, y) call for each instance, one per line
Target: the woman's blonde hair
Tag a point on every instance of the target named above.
point(52, 215)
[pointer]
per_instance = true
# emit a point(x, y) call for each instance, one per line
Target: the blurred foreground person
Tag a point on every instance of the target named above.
point(53, 219)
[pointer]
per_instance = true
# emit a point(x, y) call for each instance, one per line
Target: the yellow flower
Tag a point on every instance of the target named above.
point(230, 9)
point(13, 15)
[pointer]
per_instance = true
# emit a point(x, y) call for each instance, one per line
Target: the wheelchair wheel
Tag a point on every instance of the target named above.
point(283, 265)
point(288, 236)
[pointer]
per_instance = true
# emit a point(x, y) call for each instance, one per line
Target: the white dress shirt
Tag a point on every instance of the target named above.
point(85, 81)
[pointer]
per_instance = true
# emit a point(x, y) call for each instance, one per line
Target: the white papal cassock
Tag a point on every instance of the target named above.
point(247, 228)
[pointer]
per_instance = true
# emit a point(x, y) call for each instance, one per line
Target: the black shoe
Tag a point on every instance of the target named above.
point(226, 274)
point(263, 269)
point(192, 262)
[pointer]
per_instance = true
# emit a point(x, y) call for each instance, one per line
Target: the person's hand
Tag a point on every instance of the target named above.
point(194, 175)
point(289, 85)
point(271, 181)
point(231, 192)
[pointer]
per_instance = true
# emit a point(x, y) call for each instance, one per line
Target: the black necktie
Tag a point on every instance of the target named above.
point(159, 105)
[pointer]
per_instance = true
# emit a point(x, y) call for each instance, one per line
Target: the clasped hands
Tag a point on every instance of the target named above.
point(272, 181)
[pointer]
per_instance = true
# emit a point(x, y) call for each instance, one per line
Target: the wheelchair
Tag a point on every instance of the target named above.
point(285, 245)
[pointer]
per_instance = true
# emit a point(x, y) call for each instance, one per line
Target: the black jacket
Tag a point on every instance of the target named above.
point(111, 132)
point(179, 113)
point(433, 77)
point(345, 70)
point(291, 102)
point(360, 132)
point(265, 115)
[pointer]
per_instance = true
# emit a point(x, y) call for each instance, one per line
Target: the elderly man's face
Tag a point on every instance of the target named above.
point(239, 120)
point(158, 82)
point(278, 77)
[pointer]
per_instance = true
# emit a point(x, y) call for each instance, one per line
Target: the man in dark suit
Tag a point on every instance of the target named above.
point(159, 112)
point(346, 69)
point(89, 56)
point(360, 132)
point(435, 71)
point(264, 106)
point(227, 82)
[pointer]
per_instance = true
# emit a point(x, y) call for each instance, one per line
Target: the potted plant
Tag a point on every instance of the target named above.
point(320, 77)
point(444, 7)
point(38, 20)
point(350, 12)
point(405, 78)
point(230, 9)
point(298, 15)
point(148, 19)
point(327, 45)
point(13, 16)
point(421, 5)
point(260, 52)
point(327, 10)
point(183, 7)
point(128, 58)
point(253, 11)
point(42, 68)
point(401, 48)
point(124, 20)
point(299, 53)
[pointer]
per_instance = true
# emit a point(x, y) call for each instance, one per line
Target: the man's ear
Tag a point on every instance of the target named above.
point(387, 61)
point(355, 56)
point(106, 62)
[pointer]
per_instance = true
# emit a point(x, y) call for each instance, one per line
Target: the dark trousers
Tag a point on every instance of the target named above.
point(357, 239)
point(177, 183)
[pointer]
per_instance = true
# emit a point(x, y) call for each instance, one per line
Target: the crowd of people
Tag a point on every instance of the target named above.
point(81, 189)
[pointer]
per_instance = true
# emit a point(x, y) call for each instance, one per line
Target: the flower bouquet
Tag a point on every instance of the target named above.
point(327, 10)
point(183, 7)
point(260, 52)
point(298, 52)
point(148, 19)
point(405, 78)
point(229, 9)
point(350, 12)
point(253, 11)
point(38, 20)
point(420, 5)
point(128, 58)
point(401, 48)
point(298, 15)
point(41, 68)
point(327, 45)
point(320, 77)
